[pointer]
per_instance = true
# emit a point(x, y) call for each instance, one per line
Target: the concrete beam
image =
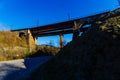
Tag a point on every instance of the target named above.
point(53, 33)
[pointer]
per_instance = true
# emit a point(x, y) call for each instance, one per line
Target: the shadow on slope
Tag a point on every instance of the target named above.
point(95, 55)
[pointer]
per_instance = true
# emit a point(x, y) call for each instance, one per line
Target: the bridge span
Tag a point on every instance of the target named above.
point(74, 26)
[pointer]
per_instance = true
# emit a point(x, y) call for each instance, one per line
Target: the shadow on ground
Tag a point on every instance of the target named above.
point(19, 69)
point(39, 53)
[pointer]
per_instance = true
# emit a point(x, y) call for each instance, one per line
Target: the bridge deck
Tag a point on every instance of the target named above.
point(66, 26)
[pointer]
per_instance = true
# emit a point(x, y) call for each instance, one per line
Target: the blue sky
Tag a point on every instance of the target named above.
point(18, 14)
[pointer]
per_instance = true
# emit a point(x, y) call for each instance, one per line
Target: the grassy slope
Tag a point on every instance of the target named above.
point(11, 46)
point(9, 39)
point(93, 56)
point(14, 47)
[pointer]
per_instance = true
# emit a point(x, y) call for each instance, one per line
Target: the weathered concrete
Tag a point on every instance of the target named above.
point(27, 35)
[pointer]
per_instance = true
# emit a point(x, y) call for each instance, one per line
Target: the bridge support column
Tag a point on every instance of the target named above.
point(61, 41)
point(75, 31)
point(76, 28)
point(28, 40)
point(35, 40)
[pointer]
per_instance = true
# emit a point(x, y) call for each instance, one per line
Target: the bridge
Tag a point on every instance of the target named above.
point(74, 26)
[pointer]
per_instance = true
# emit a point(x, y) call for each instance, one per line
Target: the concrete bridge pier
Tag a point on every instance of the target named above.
point(31, 41)
point(35, 39)
point(61, 41)
point(28, 40)
point(76, 29)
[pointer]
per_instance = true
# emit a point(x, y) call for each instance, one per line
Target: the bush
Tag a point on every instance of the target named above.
point(44, 50)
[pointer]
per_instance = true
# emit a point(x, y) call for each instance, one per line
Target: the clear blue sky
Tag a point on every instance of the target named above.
point(18, 14)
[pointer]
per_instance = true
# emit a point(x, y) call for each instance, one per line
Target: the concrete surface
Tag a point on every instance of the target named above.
point(17, 69)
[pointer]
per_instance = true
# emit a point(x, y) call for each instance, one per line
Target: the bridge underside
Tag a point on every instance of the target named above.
point(68, 27)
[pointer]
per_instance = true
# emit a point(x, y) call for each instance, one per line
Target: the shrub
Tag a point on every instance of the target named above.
point(44, 50)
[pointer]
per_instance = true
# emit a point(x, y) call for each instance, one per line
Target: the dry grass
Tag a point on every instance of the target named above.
point(9, 39)
point(48, 49)
point(14, 47)
point(44, 51)
point(11, 46)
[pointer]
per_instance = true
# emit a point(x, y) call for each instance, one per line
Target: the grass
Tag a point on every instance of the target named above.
point(9, 39)
point(15, 47)
point(11, 46)
point(44, 50)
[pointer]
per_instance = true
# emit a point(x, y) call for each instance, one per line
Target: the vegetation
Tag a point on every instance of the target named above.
point(44, 50)
point(95, 55)
point(11, 46)
point(15, 47)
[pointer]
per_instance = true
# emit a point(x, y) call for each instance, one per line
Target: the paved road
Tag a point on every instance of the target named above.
point(16, 69)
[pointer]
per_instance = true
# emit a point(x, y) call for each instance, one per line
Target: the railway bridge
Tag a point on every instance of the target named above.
point(74, 26)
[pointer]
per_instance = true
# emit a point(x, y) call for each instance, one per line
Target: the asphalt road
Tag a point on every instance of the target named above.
point(17, 69)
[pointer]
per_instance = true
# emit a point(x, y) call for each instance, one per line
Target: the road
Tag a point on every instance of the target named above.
point(17, 69)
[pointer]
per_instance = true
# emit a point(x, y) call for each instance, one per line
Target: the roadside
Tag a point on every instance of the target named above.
point(18, 69)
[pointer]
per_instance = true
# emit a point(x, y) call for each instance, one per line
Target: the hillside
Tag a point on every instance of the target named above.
point(11, 46)
point(95, 55)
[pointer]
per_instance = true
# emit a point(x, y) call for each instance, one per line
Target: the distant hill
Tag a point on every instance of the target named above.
point(11, 46)
point(95, 55)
